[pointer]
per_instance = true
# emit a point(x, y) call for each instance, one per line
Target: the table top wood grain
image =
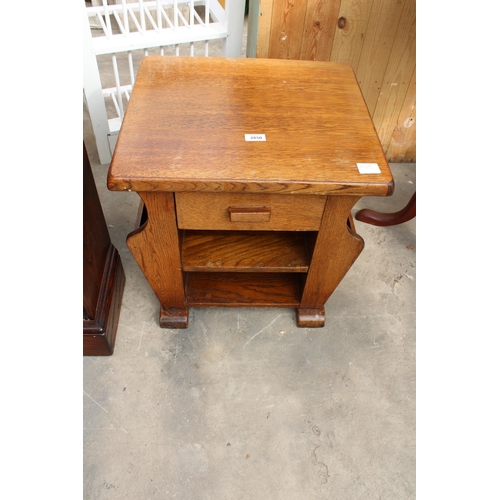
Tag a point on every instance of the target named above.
point(185, 125)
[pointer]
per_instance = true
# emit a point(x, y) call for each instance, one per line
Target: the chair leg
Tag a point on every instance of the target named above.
point(382, 219)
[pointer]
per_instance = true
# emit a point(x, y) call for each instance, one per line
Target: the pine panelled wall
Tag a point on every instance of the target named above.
point(376, 37)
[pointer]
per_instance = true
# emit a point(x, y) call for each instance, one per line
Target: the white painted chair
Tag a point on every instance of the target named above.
point(117, 35)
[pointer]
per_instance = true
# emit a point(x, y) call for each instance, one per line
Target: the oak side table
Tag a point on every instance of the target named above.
point(248, 170)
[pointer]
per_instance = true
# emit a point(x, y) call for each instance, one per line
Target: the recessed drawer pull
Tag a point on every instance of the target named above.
point(249, 214)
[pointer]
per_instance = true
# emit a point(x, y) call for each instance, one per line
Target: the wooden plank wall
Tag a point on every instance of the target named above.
point(376, 37)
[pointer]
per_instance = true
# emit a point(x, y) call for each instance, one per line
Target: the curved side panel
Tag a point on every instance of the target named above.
point(155, 247)
point(336, 249)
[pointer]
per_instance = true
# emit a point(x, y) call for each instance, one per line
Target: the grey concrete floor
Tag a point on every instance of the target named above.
point(245, 405)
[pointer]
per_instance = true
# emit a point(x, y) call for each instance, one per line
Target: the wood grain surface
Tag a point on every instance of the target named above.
point(242, 290)
point(403, 143)
point(349, 30)
point(155, 247)
point(103, 275)
point(287, 22)
point(96, 241)
point(398, 76)
point(317, 37)
point(377, 38)
point(185, 128)
point(240, 251)
point(337, 247)
point(378, 43)
point(213, 211)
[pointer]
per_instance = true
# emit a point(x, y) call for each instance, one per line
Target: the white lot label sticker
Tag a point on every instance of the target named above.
point(368, 168)
point(255, 137)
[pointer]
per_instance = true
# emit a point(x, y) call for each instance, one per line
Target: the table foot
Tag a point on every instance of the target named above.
point(311, 318)
point(174, 318)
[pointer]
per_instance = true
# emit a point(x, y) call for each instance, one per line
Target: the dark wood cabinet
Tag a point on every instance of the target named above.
point(103, 276)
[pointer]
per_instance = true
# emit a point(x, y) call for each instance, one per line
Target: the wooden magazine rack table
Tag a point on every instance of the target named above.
point(248, 170)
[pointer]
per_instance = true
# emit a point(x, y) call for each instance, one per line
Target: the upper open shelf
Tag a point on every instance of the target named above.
point(245, 251)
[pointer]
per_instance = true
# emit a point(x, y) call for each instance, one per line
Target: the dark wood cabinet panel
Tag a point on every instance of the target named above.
point(103, 276)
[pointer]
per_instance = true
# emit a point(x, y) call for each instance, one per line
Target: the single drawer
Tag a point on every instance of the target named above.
point(273, 212)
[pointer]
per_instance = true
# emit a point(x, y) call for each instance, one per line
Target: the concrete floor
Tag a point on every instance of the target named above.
point(245, 405)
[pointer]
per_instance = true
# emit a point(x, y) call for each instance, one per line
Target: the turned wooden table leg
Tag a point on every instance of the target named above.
point(337, 247)
point(155, 247)
point(382, 219)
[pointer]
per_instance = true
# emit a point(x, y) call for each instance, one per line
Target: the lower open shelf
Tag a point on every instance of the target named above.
point(243, 289)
